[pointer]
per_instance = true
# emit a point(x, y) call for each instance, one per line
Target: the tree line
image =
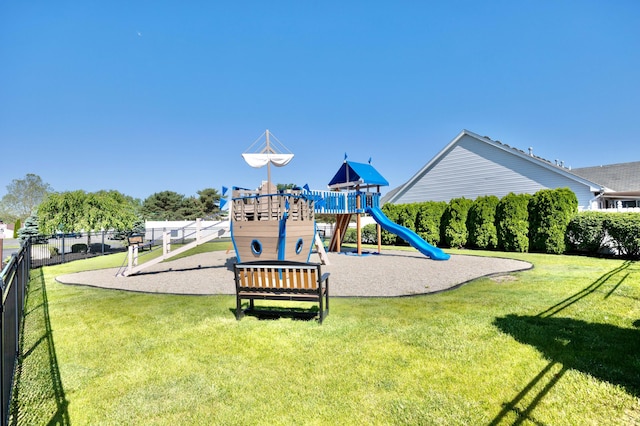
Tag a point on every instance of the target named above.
point(34, 202)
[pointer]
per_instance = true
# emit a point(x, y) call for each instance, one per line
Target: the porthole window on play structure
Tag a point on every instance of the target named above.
point(256, 247)
point(299, 245)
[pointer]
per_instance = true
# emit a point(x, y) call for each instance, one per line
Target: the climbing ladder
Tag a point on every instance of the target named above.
point(342, 224)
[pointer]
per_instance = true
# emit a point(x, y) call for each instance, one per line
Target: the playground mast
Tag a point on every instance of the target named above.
point(268, 154)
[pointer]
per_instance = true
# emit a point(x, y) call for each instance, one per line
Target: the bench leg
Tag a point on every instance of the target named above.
point(239, 313)
point(327, 295)
point(324, 301)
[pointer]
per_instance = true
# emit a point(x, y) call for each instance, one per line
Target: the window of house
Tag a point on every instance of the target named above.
point(629, 203)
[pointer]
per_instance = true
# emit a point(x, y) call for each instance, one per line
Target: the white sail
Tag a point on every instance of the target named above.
point(258, 160)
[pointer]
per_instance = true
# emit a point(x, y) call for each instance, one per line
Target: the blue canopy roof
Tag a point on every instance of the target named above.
point(358, 174)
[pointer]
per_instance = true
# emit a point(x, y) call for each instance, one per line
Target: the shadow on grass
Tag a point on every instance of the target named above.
point(606, 352)
point(594, 286)
point(277, 312)
point(228, 264)
point(38, 395)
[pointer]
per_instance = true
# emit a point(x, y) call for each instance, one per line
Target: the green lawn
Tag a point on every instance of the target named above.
point(555, 345)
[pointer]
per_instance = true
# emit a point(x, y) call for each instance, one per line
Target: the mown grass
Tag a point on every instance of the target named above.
point(558, 344)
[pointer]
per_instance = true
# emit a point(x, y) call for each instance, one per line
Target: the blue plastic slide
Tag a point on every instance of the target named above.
point(406, 234)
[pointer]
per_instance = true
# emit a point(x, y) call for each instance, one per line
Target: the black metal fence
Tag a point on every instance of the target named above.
point(61, 248)
point(14, 280)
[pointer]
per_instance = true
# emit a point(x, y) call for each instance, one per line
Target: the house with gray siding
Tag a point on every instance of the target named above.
point(472, 165)
point(621, 182)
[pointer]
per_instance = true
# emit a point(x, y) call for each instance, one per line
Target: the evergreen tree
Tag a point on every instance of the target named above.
point(550, 212)
point(428, 220)
point(453, 229)
point(30, 229)
point(481, 222)
point(210, 200)
point(191, 209)
point(512, 222)
point(163, 205)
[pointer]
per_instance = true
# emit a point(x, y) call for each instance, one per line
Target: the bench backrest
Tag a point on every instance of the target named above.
point(136, 239)
point(278, 276)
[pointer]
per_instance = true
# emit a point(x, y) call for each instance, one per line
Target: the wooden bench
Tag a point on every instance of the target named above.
point(281, 280)
point(138, 240)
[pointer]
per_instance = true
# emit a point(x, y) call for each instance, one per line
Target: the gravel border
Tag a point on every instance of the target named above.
point(389, 274)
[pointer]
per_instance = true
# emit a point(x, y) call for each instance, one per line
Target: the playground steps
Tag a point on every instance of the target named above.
point(131, 270)
point(342, 224)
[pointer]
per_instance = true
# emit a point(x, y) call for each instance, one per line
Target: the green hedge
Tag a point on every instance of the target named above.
point(550, 211)
point(591, 232)
point(350, 236)
point(481, 222)
point(402, 214)
point(512, 222)
point(391, 211)
point(547, 221)
point(79, 248)
point(428, 220)
point(453, 228)
point(369, 234)
point(586, 232)
point(624, 230)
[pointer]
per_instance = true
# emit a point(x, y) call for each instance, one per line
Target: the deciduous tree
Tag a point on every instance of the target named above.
point(24, 195)
point(76, 211)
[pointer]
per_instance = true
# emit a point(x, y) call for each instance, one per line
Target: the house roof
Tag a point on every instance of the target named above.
point(357, 174)
point(396, 193)
point(622, 177)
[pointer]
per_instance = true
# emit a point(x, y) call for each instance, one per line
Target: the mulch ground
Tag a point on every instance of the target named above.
point(391, 273)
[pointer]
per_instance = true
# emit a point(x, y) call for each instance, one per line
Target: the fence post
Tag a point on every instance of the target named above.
point(3, 397)
point(166, 242)
point(129, 258)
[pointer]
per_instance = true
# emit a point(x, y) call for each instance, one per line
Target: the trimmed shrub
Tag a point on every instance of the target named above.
point(391, 211)
point(402, 214)
point(369, 234)
point(79, 248)
point(351, 235)
point(481, 222)
point(624, 230)
point(512, 222)
point(550, 211)
point(428, 218)
point(454, 222)
point(586, 232)
point(407, 215)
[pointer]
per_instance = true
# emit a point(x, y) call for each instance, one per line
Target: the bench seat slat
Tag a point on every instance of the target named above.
point(281, 280)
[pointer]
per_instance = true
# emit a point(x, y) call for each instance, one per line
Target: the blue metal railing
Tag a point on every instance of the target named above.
point(332, 202)
point(327, 202)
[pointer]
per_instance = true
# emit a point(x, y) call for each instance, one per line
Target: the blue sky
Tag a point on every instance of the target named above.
point(148, 96)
